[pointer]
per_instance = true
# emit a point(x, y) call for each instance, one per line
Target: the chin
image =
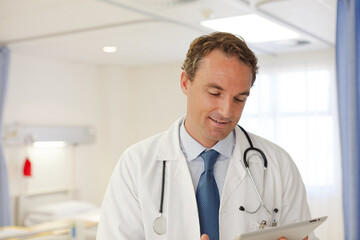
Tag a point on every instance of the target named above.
point(221, 133)
point(218, 136)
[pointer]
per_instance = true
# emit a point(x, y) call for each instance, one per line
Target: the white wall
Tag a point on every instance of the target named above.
point(156, 99)
point(114, 87)
point(50, 92)
point(123, 105)
point(136, 103)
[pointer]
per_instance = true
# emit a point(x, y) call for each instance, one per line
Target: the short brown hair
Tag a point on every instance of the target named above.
point(231, 45)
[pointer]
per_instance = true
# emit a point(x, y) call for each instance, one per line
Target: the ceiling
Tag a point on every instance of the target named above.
point(149, 31)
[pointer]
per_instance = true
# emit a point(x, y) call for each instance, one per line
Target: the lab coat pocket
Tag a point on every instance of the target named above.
point(255, 226)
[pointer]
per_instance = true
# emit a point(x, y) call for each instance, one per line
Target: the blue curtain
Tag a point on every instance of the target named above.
point(348, 87)
point(4, 186)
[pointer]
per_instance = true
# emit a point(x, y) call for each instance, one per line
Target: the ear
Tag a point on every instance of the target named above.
point(184, 82)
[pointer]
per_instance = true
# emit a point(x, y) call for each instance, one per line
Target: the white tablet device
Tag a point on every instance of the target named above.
point(293, 231)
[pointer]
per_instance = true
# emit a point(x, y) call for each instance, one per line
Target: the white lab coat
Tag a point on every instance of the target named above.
point(132, 200)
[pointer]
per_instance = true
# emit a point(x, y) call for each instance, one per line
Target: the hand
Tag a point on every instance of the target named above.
point(204, 237)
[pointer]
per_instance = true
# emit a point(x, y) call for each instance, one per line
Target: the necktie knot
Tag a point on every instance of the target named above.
point(210, 158)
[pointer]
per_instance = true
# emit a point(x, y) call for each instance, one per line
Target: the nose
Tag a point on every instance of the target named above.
point(226, 108)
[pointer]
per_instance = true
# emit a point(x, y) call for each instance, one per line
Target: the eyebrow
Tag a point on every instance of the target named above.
point(246, 93)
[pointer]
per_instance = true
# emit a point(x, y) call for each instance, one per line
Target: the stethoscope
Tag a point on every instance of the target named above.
point(260, 196)
point(159, 224)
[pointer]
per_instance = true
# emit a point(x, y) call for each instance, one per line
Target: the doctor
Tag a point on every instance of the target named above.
point(190, 181)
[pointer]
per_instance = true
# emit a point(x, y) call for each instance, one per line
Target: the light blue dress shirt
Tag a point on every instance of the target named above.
point(192, 150)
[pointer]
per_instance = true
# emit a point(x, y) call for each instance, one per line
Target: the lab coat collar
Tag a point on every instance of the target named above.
point(191, 148)
point(170, 144)
point(170, 150)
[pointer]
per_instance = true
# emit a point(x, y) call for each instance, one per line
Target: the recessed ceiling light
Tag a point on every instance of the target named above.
point(252, 28)
point(109, 49)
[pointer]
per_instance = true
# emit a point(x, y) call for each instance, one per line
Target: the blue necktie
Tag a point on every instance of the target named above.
point(207, 196)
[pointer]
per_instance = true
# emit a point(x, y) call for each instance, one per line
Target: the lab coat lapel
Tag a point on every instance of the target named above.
point(183, 218)
point(236, 171)
point(182, 207)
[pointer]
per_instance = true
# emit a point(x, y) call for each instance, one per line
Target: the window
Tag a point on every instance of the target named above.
point(293, 104)
point(293, 109)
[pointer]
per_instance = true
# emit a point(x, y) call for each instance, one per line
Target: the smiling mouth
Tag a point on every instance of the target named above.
point(219, 121)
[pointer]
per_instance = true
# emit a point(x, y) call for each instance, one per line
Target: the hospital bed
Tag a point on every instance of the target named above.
point(52, 214)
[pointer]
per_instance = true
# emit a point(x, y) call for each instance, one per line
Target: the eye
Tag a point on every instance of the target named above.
point(239, 100)
point(214, 93)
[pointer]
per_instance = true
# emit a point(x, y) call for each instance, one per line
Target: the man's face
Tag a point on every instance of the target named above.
point(216, 97)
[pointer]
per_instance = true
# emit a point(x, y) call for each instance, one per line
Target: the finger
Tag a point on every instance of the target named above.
point(204, 237)
point(282, 238)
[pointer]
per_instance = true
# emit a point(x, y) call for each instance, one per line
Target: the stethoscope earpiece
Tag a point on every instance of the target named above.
point(241, 208)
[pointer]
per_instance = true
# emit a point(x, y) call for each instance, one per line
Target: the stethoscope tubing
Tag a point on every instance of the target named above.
point(246, 164)
point(159, 224)
point(252, 148)
point(162, 188)
point(260, 197)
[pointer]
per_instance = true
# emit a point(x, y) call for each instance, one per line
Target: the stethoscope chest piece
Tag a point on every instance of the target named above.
point(160, 225)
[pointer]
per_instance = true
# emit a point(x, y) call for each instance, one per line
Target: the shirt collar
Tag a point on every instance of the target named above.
point(192, 148)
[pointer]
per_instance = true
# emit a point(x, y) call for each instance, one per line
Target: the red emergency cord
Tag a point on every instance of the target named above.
point(27, 168)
